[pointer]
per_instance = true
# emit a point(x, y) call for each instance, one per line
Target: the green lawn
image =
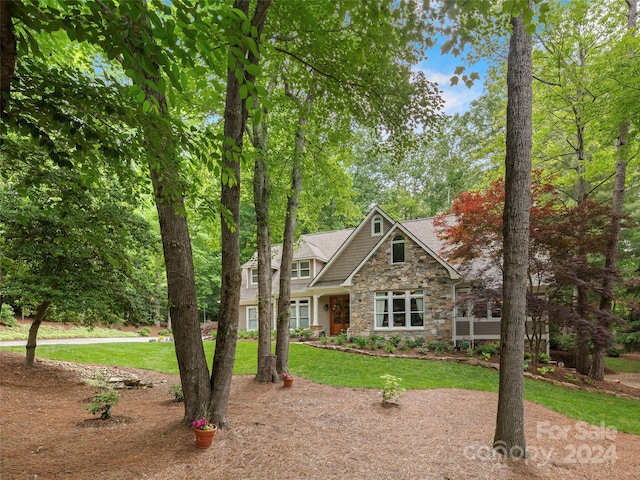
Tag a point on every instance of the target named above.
point(21, 332)
point(359, 371)
point(622, 365)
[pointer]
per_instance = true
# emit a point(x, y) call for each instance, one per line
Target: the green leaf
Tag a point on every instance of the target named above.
point(257, 115)
point(246, 26)
point(252, 69)
point(459, 69)
point(244, 91)
point(453, 80)
point(146, 106)
point(239, 75)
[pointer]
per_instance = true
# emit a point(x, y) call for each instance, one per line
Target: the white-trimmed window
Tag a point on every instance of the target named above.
point(252, 318)
point(254, 276)
point(397, 249)
point(376, 226)
point(299, 317)
point(301, 269)
point(399, 309)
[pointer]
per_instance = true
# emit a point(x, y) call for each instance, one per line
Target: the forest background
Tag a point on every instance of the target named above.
point(78, 222)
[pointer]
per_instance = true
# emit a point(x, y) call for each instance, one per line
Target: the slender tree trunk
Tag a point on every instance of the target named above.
point(178, 258)
point(33, 333)
point(8, 52)
point(509, 436)
point(284, 293)
point(176, 244)
point(611, 257)
point(261, 186)
point(582, 330)
point(583, 325)
point(235, 119)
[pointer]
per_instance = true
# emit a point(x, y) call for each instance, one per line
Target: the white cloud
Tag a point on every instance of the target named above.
point(457, 97)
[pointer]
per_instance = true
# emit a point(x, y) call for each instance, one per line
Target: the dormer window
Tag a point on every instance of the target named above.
point(301, 269)
point(397, 249)
point(376, 226)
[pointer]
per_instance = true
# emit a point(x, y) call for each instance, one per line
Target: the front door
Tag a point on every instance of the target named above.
point(339, 314)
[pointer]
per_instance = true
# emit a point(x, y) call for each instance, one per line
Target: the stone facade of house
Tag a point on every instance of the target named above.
point(419, 271)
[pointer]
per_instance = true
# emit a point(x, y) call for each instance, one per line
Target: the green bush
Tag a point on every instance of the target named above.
point(374, 341)
point(409, 343)
point(613, 351)
point(176, 391)
point(102, 402)
point(247, 334)
point(303, 333)
point(544, 358)
point(395, 340)
point(361, 342)
point(7, 316)
point(390, 347)
point(629, 337)
point(491, 349)
point(566, 343)
point(144, 332)
point(391, 390)
point(164, 333)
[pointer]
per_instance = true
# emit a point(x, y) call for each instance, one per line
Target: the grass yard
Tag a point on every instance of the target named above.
point(21, 332)
point(359, 371)
point(622, 365)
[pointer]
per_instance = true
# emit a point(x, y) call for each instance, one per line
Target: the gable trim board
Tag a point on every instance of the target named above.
point(365, 222)
point(454, 275)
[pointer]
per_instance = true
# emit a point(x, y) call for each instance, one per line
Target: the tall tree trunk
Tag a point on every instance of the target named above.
point(583, 325)
point(261, 187)
point(8, 52)
point(509, 436)
point(178, 258)
point(611, 257)
point(33, 333)
point(284, 293)
point(235, 119)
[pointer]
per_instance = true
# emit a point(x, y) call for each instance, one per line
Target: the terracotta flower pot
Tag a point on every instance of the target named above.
point(204, 438)
point(287, 382)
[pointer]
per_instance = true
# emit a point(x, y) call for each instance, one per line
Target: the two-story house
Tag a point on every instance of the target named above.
point(381, 278)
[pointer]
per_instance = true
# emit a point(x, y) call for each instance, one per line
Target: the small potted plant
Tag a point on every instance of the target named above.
point(287, 379)
point(205, 431)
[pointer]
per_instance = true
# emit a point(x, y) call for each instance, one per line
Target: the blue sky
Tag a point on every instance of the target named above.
point(439, 68)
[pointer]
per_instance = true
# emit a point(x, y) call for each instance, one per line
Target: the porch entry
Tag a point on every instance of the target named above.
point(339, 315)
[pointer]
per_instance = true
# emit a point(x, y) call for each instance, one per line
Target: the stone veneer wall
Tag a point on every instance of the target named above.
point(420, 271)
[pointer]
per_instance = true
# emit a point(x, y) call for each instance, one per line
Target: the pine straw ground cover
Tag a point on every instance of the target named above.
point(309, 431)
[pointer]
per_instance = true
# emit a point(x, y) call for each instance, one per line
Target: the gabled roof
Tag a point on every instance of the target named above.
point(373, 212)
point(310, 245)
point(428, 235)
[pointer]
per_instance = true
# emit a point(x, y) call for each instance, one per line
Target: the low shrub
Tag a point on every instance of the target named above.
point(491, 349)
point(144, 332)
point(409, 343)
point(613, 351)
point(361, 342)
point(176, 391)
point(544, 370)
point(7, 317)
point(544, 358)
point(102, 402)
point(392, 390)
